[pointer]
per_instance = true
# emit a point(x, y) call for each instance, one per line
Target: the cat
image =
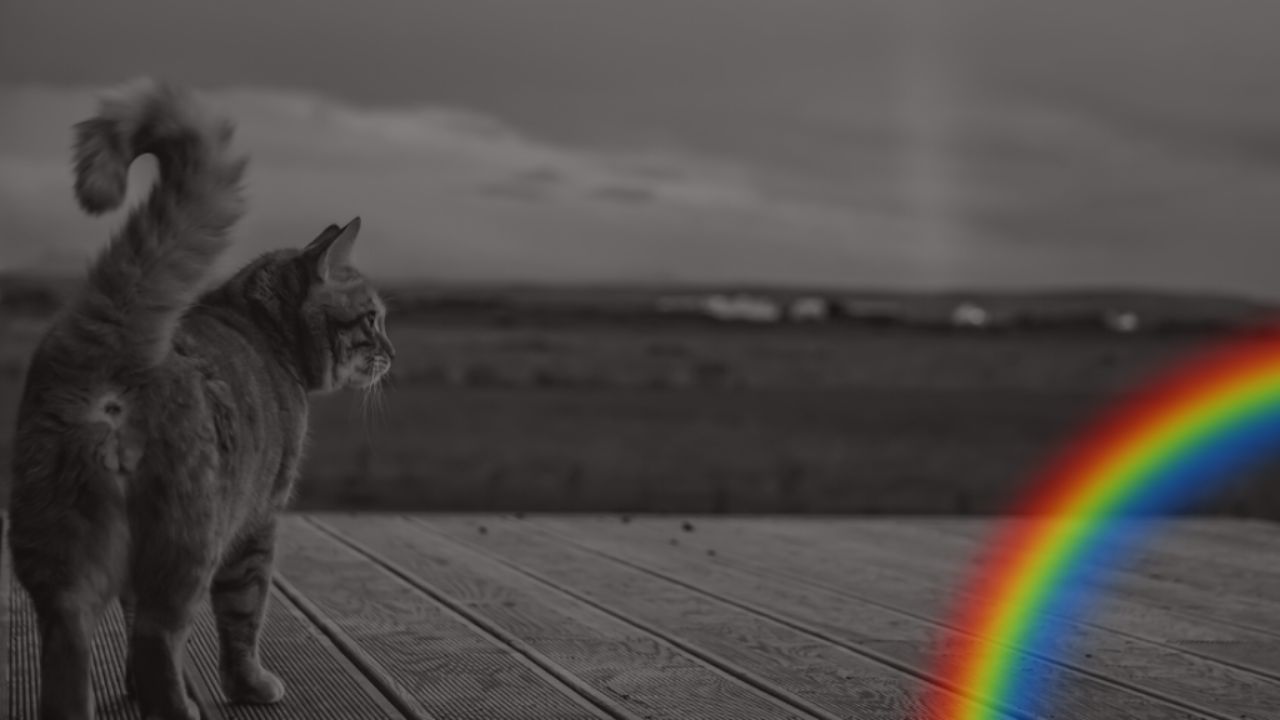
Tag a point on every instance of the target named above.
point(161, 426)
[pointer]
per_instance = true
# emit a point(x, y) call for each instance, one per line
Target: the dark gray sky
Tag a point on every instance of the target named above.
point(925, 144)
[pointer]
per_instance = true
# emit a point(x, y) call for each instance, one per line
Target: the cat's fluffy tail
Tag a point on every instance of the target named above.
point(155, 265)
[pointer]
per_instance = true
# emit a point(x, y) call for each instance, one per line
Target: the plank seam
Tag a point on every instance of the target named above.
point(379, 697)
point(714, 662)
point(574, 688)
point(354, 654)
point(878, 657)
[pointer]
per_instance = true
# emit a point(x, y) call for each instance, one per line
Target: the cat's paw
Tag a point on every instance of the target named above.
point(260, 687)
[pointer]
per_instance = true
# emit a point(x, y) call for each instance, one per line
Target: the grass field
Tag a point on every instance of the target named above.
point(511, 415)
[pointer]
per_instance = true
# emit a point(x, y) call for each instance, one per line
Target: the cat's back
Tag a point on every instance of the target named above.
point(218, 346)
point(255, 410)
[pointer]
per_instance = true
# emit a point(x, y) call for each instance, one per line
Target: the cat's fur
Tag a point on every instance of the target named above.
point(160, 430)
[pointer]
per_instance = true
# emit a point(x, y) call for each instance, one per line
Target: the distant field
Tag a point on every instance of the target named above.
point(678, 417)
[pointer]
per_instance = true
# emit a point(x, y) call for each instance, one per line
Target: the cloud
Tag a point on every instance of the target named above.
point(984, 191)
point(625, 194)
point(449, 193)
point(534, 185)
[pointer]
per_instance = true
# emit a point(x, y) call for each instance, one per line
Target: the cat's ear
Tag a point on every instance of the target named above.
point(332, 249)
point(325, 237)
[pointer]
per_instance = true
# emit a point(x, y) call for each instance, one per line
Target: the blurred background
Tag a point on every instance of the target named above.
point(876, 256)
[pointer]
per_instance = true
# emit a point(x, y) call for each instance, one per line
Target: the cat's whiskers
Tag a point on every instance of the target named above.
point(379, 403)
point(364, 415)
point(375, 404)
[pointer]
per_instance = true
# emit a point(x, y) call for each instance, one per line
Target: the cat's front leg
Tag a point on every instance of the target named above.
point(240, 591)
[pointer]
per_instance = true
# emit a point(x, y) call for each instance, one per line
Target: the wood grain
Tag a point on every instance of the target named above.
point(1121, 678)
point(907, 542)
point(446, 665)
point(667, 618)
point(835, 678)
point(635, 669)
point(319, 682)
point(892, 558)
point(1156, 580)
point(1233, 532)
point(1171, 553)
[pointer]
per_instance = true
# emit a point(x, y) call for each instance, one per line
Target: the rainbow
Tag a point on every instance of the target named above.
point(1157, 454)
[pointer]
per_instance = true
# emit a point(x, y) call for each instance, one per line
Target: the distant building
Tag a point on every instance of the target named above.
point(1122, 321)
point(809, 309)
point(970, 315)
point(743, 308)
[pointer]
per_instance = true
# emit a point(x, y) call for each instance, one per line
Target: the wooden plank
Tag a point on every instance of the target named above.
point(1252, 549)
point(1215, 586)
point(372, 672)
point(1121, 675)
point(644, 674)
point(1171, 555)
point(904, 556)
point(795, 619)
point(448, 667)
point(1127, 603)
point(931, 579)
point(493, 632)
point(844, 682)
point(917, 544)
point(1205, 564)
point(1234, 532)
point(1156, 580)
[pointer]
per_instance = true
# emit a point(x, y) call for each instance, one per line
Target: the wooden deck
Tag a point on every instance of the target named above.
point(486, 617)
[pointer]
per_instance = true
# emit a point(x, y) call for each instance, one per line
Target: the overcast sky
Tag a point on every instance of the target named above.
point(833, 142)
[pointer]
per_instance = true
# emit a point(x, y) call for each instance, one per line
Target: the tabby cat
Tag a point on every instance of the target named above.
point(161, 427)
